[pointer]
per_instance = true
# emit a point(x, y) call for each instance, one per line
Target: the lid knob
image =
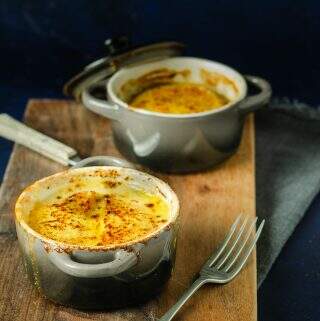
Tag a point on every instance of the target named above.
point(116, 45)
point(118, 56)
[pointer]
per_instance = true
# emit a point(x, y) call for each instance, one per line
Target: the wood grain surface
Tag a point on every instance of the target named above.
point(210, 201)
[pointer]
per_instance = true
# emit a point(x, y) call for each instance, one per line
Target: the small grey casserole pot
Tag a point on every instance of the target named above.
point(100, 277)
point(174, 142)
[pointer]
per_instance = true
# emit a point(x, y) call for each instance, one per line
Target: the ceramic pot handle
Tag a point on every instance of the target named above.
point(121, 262)
point(103, 161)
point(255, 102)
point(99, 106)
point(20, 133)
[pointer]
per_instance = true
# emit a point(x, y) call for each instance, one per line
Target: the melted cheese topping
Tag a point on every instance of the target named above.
point(179, 98)
point(98, 211)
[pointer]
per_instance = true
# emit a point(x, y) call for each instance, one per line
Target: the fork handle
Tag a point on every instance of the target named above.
point(184, 298)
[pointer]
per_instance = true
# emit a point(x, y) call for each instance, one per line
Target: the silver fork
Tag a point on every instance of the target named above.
point(226, 262)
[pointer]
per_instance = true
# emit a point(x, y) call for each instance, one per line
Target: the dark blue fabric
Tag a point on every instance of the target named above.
point(42, 43)
point(291, 290)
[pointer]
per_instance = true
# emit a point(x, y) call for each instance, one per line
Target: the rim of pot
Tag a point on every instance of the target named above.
point(57, 245)
point(243, 92)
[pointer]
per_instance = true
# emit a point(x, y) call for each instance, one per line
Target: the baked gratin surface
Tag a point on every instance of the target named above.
point(179, 98)
point(98, 211)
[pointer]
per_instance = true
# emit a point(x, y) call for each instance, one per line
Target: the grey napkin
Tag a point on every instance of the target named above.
point(287, 173)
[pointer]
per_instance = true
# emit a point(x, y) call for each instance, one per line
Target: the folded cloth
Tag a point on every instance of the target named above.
point(287, 173)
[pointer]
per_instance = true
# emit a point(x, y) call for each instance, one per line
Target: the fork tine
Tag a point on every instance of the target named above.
point(224, 243)
point(239, 265)
point(252, 226)
point(226, 256)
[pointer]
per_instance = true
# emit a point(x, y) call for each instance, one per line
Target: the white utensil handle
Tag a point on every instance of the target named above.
point(20, 133)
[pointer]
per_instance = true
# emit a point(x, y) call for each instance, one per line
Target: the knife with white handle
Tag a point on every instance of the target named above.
point(20, 133)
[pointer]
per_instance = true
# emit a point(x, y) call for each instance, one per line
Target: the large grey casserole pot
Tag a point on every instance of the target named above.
point(97, 277)
point(166, 142)
point(175, 142)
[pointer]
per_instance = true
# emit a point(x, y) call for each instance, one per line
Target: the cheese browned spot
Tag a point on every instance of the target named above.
point(99, 213)
point(179, 98)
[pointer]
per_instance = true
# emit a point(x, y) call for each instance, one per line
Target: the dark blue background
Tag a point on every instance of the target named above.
point(43, 43)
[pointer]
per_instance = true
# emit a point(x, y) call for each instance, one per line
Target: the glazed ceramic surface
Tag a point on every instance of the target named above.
point(99, 277)
point(175, 142)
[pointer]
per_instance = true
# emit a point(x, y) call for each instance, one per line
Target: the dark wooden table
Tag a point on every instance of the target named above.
point(209, 203)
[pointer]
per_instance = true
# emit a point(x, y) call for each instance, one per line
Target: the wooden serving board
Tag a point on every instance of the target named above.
point(210, 201)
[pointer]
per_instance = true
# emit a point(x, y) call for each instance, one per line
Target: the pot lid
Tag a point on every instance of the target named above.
point(119, 54)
